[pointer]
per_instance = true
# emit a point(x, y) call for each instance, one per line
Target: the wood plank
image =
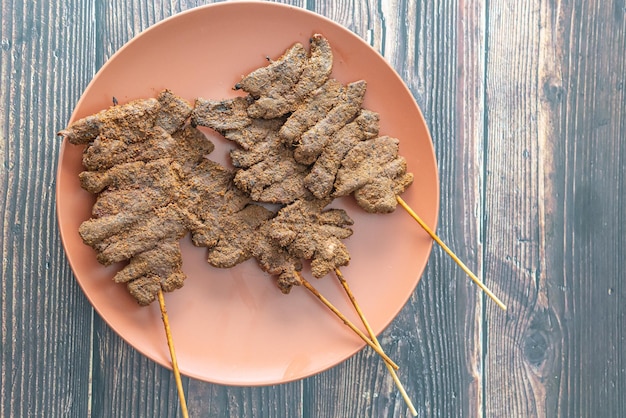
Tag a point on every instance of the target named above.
point(126, 383)
point(512, 248)
point(45, 349)
point(589, 177)
point(555, 165)
point(437, 50)
point(276, 401)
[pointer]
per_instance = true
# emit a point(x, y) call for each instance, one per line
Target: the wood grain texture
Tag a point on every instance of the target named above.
point(42, 310)
point(555, 165)
point(526, 104)
point(511, 187)
point(592, 155)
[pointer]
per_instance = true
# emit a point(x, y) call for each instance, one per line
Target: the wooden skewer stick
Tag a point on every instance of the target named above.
point(393, 373)
point(170, 344)
point(450, 253)
point(346, 321)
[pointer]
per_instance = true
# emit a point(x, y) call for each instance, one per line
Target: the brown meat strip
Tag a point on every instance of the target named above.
point(375, 173)
point(238, 236)
point(269, 173)
point(159, 225)
point(309, 232)
point(191, 148)
point(186, 146)
point(210, 197)
point(163, 260)
point(282, 98)
point(136, 201)
point(275, 260)
point(311, 110)
point(313, 141)
point(94, 231)
point(230, 118)
point(158, 268)
point(255, 133)
point(104, 152)
point(321, 178)
point(222, 115)
point(173, 111)
point(145, 288)
point(277, 78)
point(317, 69)
point(136, 174)
point(131, 122)
point(133, 118)
point(169, 114)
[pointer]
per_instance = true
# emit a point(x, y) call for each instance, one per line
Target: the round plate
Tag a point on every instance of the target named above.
point(234, 326)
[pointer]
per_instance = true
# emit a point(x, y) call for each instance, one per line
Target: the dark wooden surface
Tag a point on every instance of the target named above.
point(526, 104)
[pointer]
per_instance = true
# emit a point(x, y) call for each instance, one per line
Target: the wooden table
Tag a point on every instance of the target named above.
point(527, 109)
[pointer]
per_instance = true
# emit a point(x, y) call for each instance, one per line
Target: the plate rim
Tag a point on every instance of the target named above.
point(238, 4)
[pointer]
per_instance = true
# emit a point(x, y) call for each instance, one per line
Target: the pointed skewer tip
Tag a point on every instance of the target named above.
point(438, 240)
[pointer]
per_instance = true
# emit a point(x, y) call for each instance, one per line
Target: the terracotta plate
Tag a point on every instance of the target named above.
point(234, 326)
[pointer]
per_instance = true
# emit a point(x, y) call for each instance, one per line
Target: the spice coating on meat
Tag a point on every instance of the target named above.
point(311, 110)
point(321, 177)
point(137, 158)
point(239, 236)
point(254, 134)
point(131, 122)
point(278, 77)
point(317, 68)
point(137, 173)
point(311, 233)
point(222, 115)
point(173, 112)
point(275, 260)
point(312, 142)
point(278, 96)
point(375, 173)
point(191, 148)
point(165, 137)
point(155, 186)
point(137, 117)
point(210, 197)
point(106, 152)
point(269, 173)
point(164, 260)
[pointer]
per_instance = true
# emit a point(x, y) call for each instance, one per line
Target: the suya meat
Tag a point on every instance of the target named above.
point(321, 178)
point(311, 143)
point(282, 85)
point(137, 158)
point(131, 122)
point(375, 173)
point(311, 233)
point(269, 173)
point(275, 259)
point(127, 224)
point(267, 170)
point(327, 146)
point(303, 139)
point(311, 110)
